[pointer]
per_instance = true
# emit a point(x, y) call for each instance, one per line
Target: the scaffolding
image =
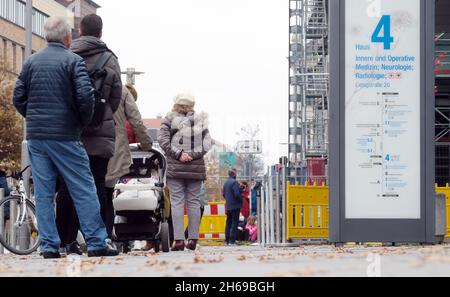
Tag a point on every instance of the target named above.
point(309, 80)
point(442, 70)
point(442, 108)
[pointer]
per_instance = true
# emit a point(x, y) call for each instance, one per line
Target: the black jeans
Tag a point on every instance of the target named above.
point(108, 214)
point(232, 224)
point(66, 215)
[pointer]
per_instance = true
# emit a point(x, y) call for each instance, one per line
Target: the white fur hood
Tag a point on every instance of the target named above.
point(185, 123)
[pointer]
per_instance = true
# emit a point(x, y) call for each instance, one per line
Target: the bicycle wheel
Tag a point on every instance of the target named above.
point(18, 231)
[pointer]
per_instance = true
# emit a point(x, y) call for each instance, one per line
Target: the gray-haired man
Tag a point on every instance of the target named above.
point(55, 95)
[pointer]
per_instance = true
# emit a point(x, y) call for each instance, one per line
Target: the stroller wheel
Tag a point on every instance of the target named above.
point(157, 246)
point(165, 240)
point(126, 248)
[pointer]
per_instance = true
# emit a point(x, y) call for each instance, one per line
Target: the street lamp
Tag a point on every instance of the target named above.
point(131, 75)
point(28, 28)
point(25, 160)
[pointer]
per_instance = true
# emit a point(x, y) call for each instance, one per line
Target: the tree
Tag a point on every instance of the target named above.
point(11, 127)
point(212, 183)
point(251, 133)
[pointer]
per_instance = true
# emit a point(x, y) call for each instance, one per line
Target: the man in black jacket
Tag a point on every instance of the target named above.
point(98, 138)
point(55, 95)
point(232, 192)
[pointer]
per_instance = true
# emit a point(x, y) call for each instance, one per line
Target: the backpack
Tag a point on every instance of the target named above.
point(98, 75)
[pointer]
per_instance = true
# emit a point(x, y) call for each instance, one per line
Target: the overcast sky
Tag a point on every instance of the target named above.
point(232, 55)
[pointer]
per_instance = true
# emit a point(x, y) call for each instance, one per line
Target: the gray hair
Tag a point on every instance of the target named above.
point(56, 28)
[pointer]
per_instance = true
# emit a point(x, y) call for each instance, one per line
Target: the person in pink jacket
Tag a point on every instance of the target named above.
point(252, 229)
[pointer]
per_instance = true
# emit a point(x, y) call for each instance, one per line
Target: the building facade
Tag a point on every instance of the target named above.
point(12, 26)
point(153, 126)
point(80, 9)
point(12, 29)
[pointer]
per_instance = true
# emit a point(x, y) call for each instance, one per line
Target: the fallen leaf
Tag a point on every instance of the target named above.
point(241, 258)
point(307, 272)
point(265, 258)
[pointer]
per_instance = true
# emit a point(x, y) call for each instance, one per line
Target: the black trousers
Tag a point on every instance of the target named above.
point(242, 235)
point(108, 213)
point(232, 225)
point(66, 215)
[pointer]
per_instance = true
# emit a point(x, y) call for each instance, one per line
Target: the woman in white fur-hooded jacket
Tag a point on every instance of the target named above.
point(185, 140)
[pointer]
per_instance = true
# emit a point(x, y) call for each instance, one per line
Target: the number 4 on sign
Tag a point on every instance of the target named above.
point(386, 39)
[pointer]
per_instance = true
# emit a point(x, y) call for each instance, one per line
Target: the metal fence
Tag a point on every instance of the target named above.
point(291, 212)
point(292, 207)
point(272, 208)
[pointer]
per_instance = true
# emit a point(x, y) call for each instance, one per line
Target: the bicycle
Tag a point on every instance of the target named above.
point(18, 222)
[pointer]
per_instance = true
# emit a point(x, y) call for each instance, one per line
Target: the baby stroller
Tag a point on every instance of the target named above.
point(140, 202)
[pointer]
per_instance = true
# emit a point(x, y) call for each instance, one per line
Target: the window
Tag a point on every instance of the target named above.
point(14, 11)
point(39, 20)
point(14, 64)
point(5, 45)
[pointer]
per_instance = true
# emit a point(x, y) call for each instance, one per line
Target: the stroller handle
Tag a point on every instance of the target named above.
point(160, 156)
point(134, 187)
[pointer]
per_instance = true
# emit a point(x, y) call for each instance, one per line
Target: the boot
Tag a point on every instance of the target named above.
point(192, 244)
point(109, 251)
point(74, 248)
point(178, 246)
point(51, 255)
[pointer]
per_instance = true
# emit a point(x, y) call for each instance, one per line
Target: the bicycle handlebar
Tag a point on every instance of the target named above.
point(19, 175)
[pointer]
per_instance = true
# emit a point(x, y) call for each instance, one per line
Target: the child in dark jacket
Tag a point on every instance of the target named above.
point(242, 232)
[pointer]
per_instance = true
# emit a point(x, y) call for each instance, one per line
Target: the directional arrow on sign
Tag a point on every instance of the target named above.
point(250, 147)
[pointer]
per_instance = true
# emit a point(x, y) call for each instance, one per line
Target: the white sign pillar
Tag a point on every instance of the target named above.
point(382, 120)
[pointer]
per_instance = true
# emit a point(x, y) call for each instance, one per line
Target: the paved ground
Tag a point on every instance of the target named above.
point(246, 261)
